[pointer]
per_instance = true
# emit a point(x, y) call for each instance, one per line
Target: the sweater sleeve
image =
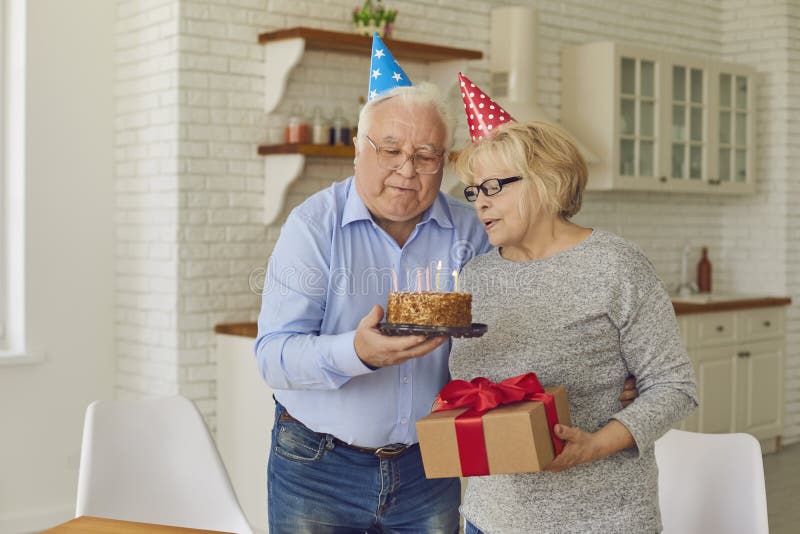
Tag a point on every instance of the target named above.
point(653, 351)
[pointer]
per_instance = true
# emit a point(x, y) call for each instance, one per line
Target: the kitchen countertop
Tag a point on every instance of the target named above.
point(237, 329)
point(686, 307)
point(682, 307)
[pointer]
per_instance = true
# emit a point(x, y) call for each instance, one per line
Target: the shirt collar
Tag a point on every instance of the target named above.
point(356, 210)
point(439, 212)
point(354, 207)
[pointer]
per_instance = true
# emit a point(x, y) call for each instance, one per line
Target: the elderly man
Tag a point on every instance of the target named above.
point(345, 456)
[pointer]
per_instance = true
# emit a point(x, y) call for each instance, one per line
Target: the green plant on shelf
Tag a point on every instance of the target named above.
point(374, 17)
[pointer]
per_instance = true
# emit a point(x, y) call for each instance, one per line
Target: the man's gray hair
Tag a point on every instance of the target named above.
point(424, 93)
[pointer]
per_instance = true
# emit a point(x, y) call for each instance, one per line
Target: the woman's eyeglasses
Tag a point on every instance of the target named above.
point(490, 187)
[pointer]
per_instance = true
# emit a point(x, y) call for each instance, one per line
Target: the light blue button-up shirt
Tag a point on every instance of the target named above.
point(332, 263)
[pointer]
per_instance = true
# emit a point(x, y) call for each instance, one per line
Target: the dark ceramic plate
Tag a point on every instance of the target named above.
point(392, 329)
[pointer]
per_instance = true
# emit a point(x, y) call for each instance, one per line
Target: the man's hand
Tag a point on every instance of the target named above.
point(629, 391)
point(377, 350)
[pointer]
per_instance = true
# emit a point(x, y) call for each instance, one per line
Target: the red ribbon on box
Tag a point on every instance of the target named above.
point(481, 395)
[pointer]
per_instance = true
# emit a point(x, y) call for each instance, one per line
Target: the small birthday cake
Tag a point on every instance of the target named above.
point(430, 308)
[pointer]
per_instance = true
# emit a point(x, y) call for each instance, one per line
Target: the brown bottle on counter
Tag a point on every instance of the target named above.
point(704, 273)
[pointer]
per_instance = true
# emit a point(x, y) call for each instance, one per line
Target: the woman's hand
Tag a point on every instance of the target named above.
point(583, 447)
point(579, 448)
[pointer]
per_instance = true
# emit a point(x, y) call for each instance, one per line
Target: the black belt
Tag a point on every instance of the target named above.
point(387, 451)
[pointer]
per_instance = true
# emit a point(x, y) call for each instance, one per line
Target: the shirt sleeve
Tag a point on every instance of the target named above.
point(654, 353)
point(290, 351)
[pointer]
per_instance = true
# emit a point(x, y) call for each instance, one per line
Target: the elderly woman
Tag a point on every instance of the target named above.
point(582, 308)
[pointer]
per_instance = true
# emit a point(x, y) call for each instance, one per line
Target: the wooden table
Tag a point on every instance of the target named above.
point(101, 525)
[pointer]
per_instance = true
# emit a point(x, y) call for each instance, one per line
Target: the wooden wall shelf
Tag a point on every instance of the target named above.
point(326, 151)
point(285, 48)
point(284, 163)
point(322, 151)
point(350, 43)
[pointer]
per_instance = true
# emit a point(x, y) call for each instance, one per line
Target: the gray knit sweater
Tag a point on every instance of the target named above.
point(584, 318)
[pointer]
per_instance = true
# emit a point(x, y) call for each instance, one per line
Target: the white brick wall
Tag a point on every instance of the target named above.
point(220, 241)
point(758, 229)
point(190, 115)
point(787, 29)
point(146, 129)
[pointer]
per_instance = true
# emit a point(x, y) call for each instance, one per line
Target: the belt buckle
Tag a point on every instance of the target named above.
point(390, 451)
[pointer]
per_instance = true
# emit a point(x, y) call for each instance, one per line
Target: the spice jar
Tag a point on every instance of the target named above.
point(276, 129)
point(297, 127)
point(319, 128)
point(340, 129)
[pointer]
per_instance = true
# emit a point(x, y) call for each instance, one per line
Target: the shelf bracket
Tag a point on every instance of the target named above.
point(280, 57)
point(280, 171)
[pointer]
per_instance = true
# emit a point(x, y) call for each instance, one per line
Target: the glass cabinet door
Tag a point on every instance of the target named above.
point(734, 116)
point(660, 120)
point(637, 117)
point(688, 123)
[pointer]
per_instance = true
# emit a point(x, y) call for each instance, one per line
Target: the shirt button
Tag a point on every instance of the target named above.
point(405, 380)
point(404, 420)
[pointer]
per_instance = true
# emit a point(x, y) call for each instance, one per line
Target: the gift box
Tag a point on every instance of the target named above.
point(487, 428)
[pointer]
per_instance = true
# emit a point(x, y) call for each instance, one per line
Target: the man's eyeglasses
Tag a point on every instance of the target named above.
point(423, 161)
point(490, 187)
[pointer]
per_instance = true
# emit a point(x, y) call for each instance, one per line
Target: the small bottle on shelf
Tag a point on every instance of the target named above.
point(276, 129)
point(340, 131)
point(297, 127)
point(704, 272)
point(319, 128)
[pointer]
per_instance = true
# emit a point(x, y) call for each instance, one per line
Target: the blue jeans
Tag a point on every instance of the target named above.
point(316, 486)
point(469, 528)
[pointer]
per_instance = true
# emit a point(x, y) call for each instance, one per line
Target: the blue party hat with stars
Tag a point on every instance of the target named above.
point(384, 71)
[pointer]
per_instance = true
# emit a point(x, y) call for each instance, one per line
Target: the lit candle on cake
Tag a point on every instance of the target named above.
point(455, 280)
point(419, 280)
point(394, 279)
point(427, 278)
point(438, 275)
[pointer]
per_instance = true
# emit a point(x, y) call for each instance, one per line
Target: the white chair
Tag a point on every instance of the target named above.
point(711, 483)
point(154, 461)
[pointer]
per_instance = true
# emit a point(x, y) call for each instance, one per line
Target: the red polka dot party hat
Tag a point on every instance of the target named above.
point(483, 113)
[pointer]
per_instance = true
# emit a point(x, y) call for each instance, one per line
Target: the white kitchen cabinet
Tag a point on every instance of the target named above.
point(245, 415)
point(734, 163)
point(660, 121)
point(738, 358)
point(715, 371)
point(759, 389)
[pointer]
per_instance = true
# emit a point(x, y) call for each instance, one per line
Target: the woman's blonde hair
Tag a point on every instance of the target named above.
point(543, 154)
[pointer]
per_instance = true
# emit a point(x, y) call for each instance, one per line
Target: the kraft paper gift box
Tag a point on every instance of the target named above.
point(517, 438)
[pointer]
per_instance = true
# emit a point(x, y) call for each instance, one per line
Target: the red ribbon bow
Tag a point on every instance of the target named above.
point(481, 395)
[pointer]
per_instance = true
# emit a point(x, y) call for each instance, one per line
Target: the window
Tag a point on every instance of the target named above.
point(3, 207)
point(12, 173)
